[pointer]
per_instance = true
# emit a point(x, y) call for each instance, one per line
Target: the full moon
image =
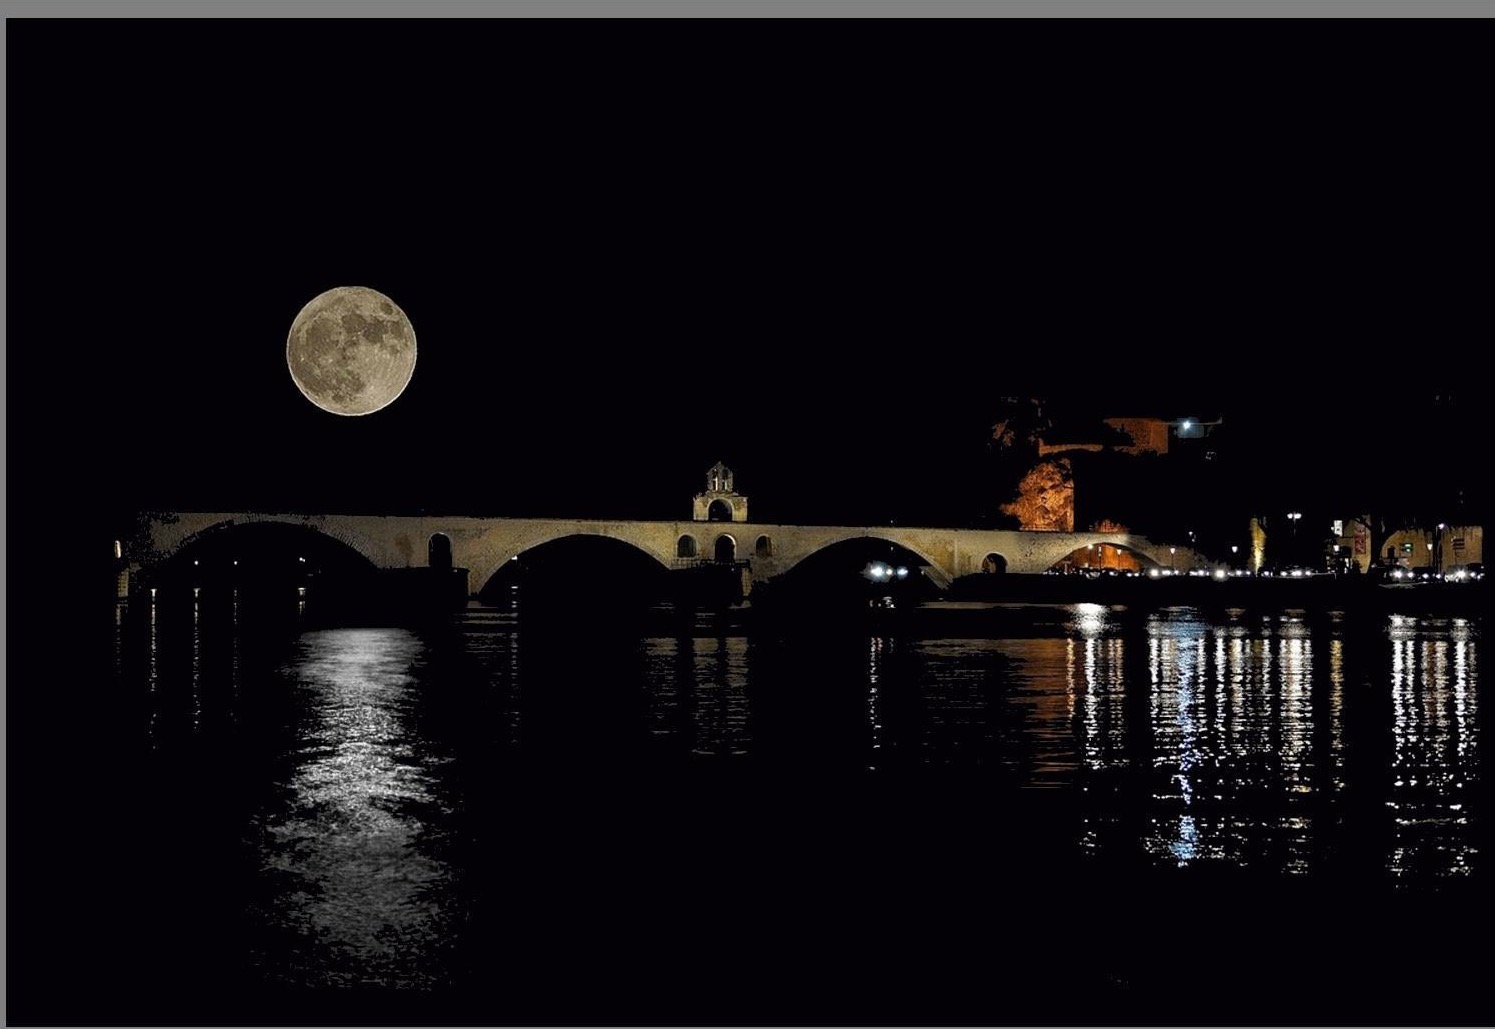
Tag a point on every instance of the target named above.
point(351, 350)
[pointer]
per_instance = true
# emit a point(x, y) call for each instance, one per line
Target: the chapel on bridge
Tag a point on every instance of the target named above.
point(719, 501)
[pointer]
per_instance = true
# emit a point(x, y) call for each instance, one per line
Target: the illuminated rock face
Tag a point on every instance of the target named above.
point(1045, 498)
point(1149, 435)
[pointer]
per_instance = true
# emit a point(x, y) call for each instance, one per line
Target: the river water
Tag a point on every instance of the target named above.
point(1051, 813)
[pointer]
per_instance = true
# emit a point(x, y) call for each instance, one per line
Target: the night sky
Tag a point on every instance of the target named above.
point(821, 252)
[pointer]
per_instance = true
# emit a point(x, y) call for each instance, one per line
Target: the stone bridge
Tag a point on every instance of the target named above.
point(483, 545)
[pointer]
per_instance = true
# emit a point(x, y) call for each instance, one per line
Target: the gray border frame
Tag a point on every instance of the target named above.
point(4, 507)
point(1107, 9)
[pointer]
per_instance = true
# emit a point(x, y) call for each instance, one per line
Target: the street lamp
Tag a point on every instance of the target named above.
point(1171, 552)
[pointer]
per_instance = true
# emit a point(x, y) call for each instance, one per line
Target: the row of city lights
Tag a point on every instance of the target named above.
point(197, 591)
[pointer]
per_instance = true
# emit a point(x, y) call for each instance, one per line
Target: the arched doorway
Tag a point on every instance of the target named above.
point(726, 549)
point(764, 547)
point(993, 564)
point(439, 552)
point(719, 511)
point(686, 547)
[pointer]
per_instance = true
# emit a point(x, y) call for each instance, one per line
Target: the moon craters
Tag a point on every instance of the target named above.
point(351, 350)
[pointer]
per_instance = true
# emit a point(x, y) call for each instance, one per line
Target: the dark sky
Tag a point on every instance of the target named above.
point(819, 251)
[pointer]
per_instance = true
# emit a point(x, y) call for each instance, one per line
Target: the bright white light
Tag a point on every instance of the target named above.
point(1219, 573)
point(1187, 425)
point(1090, 619)
point(301, 559)
point(902, 572)
point(1153, 573)
point(194, 563)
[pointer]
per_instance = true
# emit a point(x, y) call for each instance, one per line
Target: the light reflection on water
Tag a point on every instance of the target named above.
point(719, 684)
point(696, 688)
point(1435, 746)
point(346, 841)
point(1246, 738)
point(1286, 743)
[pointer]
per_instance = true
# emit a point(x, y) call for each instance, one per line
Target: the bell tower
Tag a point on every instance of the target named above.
point(719, 501)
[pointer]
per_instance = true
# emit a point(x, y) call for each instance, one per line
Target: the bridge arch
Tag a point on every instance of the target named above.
point(170, 537)
point(1105, 556)
point(482, 579)
point(719, 511)
point(1075, 548)
point(763, 547)
point(686, 546)
point(725, 548)
point(790, 561)
point(994, 564)
point(260, 549)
